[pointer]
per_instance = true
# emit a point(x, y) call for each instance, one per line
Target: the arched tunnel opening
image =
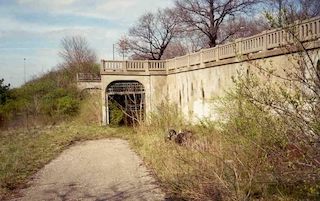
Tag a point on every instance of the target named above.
point(126, 103)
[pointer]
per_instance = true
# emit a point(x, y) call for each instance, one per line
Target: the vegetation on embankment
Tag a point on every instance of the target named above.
point(39, 102)
point(33, 117)
point(53, 96)
point(264, 146)
point(249, 157)
point(242, 159)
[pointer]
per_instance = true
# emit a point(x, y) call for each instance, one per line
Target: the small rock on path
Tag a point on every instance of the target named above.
point(94, 170)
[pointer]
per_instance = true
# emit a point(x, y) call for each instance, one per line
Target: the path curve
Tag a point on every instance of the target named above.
point(94, 170)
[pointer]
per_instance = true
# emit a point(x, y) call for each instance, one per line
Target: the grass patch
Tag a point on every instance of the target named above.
point(22, 153)
point(233, 160)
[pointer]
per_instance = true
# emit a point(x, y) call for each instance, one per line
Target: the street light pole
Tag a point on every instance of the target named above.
point(113, 52)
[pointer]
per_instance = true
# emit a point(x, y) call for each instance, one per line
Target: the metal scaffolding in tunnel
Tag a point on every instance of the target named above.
point(129, 97)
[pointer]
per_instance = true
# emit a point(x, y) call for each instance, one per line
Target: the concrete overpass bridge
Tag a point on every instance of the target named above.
point(191, 81)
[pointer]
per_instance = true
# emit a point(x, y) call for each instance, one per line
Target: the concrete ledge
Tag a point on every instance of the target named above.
point(238, 59)
point(89, 85)
point(249, 57)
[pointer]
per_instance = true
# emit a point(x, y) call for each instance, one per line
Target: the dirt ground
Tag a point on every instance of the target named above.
point(94, 170)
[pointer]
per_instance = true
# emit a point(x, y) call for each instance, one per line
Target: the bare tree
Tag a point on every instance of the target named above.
point(276, 7)
point(243, 27)
point(175, 49)
point(193, 41)
point(77, 55)
point(150, 37)
point(208, 16)
point(282, 12)
point(123, 46)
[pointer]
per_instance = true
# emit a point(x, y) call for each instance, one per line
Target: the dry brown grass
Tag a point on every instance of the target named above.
point(224, 161)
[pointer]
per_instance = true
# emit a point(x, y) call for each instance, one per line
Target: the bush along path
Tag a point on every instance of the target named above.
point(94, 170)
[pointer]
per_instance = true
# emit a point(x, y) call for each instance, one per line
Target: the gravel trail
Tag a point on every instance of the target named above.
point(94, 170)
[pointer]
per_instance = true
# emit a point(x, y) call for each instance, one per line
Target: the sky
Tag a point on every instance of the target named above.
point(33, 29)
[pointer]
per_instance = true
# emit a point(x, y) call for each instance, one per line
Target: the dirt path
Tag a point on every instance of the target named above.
point(94, 170)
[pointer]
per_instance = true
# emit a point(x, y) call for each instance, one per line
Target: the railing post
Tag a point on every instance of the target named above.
point(238, 47)
point(166, 66)
point(317, 28)
point(265, 40)
point(297, 30)
point(124, 66)
point(146, 66)
point(218, 52)
point(103, 65)
point(201, 55)
point(175, 63)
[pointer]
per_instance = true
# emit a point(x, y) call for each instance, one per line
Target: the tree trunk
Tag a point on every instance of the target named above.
point(212, 41)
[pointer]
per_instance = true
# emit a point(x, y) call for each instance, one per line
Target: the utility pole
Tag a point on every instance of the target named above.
point(24, 70)
point(25, 80)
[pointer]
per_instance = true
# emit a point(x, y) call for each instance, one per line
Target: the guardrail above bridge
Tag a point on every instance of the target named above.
point(156, 66)
point(302, 31)
point(88, 77)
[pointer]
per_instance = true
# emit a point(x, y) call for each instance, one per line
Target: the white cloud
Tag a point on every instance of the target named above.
point(45, 38)
point(45, 4)
point(126, 10)
point(9, 24)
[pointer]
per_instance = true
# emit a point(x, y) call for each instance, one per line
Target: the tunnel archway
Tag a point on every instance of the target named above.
point(125, 102)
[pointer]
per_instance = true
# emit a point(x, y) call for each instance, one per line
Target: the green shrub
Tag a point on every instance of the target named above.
point(167, 115)
point(271, 155)
point(60, 102)
point(90, 109)
point(67, 105)
point(116, 114)
point(4, 92)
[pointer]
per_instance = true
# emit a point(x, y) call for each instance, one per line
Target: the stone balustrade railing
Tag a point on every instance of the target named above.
point(134, 65)
point(88, 77)
point(303, 31)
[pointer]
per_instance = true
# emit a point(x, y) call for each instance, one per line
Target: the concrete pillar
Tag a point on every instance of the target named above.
point(103, 108)
point(104, 117)
point(107, 110)
point(103, 65)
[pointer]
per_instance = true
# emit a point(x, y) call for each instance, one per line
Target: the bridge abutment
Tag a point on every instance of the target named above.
point(193, 81)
